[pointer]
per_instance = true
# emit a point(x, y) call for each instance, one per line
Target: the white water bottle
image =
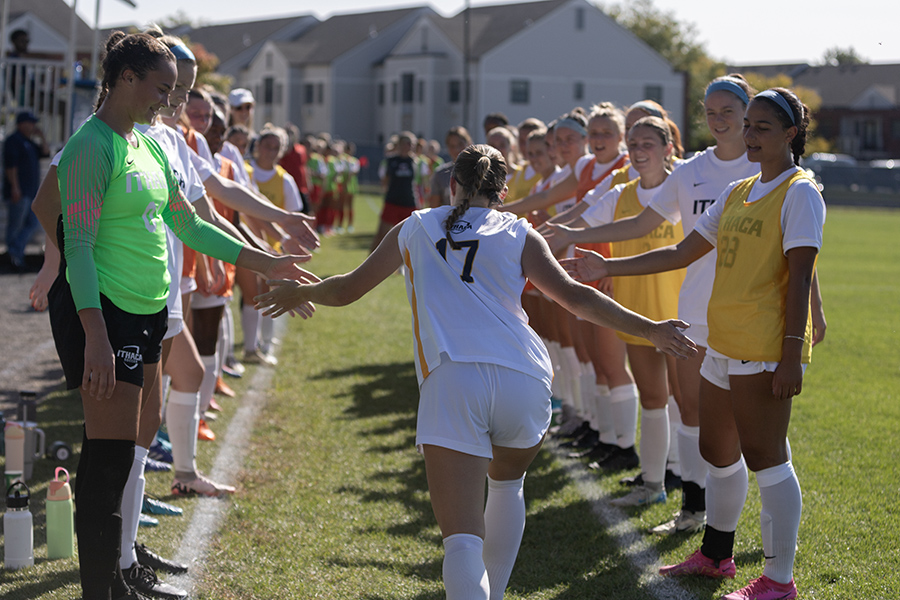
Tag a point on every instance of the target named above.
point(18, 528)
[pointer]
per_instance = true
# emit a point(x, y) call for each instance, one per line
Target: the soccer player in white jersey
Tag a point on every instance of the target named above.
point(484, 375)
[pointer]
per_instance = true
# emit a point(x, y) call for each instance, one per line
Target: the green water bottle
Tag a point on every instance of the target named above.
point(60, 518)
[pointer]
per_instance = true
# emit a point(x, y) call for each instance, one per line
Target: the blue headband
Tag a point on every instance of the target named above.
point(571, 124)
point(780, 100)
point(728, 85)
point(647, 107)
point(182, 52)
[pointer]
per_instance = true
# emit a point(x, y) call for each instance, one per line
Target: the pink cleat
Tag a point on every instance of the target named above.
point(697, 564)
point(764, 589)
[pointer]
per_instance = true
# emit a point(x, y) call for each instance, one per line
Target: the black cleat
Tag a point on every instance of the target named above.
point(144, 580)
point(620, 459)
point(150, 559)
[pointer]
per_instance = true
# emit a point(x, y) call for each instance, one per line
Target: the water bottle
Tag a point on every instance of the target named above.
point(14, 442)
point(60, 518)
point(18, 531)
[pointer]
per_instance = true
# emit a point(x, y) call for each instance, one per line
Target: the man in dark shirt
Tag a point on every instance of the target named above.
point(22, 170)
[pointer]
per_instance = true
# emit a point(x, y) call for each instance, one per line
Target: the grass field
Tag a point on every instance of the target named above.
point(333, 502)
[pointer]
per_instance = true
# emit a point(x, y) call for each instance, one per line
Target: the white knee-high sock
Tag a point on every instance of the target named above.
point(504, 523)
point(208, 385)
point(654, 444)
point(132, 501)
point(564, 375)
point(465, 577)
point(673, 460)
point(266, 332)
point(605, 421)
point(624, 400)
point(782, 503)
point(726, 492)
point(166, 384)
point(693, 467)
point(250, 327)
point(183, 417)
point(553, 351)
point(587, 384)
point(221, 346)
point(573, 370)
point(228, 332)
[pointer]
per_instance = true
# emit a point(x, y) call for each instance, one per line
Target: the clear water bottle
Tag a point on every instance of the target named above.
point(60, 518)
point(18, 530)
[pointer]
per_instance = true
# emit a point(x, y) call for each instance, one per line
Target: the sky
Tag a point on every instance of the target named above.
point(741, 33)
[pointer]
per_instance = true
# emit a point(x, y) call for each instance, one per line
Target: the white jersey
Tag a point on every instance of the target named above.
point(466, 303)
point(179, 154)
point(686, 194)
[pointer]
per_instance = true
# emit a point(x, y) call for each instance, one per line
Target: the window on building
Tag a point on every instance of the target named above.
point(268, 60)
point(380, 94)
point(579, 18)
point(268, 90)
point(320, 93)
point(454, 91)
point(578, 91)
point(421, 91)
point(393, 92)
point(309, 93)
point(519, 91)
point(407, 82)
point(279, 94)
point(653, 92)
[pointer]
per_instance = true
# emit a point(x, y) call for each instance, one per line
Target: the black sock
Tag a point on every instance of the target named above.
point(717, 545)
point(693, 498)
point(98, 516)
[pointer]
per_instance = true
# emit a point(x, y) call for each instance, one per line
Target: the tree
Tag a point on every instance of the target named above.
point(677, 42)
point(839, 57)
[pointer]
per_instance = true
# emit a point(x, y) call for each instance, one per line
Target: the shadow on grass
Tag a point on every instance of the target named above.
point(27, 586)
point(564, 548)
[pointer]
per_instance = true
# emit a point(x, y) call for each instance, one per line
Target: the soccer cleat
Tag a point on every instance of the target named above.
point(156, 466)
point(673, 481)
point(620, 459)
point(257, 357)
point(201, 485)
point(204, 433)
point(223, 388)
point(764, 589)
point(150, 559)
point(152, 506)
point(157, 451)
point(641, 496)
point(685, 521)
point(598, 451)
point(133, 594)
point(214, 406)
point(697, 564)
point(233, 368)
point(147, 520)
point(144, 580)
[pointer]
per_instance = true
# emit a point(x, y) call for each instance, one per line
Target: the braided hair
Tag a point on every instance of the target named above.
point(481, 171)
point(799, 119)
point(139, 52)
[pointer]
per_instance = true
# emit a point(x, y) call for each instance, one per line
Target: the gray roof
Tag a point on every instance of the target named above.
point(57, 15)
point(492, 25)
point(341, 33)
point(228, 40)
point(838, 86)
point(842, 86)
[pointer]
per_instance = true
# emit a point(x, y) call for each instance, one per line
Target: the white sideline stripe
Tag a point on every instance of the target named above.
point(209, 513)
point(641, 554)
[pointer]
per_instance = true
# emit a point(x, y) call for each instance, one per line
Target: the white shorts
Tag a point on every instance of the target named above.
point(176, 326)
point(470, 407)
point(198, 300)
point(717, 367)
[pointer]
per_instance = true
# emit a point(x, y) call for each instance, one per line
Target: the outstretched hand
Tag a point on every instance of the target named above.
point(300, 226)
point(667, 336)
point(557, 236)
point(285, 295)
point(587, 265)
